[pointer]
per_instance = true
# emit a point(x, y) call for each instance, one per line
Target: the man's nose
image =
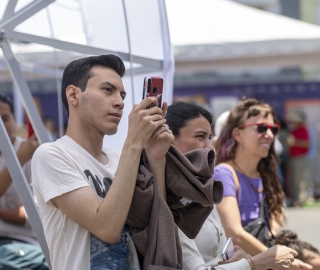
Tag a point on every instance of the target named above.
point(118, 102)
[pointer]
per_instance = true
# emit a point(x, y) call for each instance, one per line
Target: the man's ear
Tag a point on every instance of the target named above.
point(72, 94)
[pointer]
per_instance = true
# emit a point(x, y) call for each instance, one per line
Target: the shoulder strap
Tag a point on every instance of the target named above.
point(263, 213)
point(234, 174)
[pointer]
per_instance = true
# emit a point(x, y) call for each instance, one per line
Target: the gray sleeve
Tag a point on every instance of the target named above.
point(238, 265)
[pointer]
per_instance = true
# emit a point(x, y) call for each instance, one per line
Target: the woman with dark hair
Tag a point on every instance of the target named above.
point(191, 126)
point(248, 170)
point(187, 121)
point(306, 252)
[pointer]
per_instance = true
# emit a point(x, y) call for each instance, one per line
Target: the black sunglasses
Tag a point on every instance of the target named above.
point(262, 127)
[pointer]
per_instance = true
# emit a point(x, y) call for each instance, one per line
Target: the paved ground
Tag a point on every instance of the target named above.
point(305, 222)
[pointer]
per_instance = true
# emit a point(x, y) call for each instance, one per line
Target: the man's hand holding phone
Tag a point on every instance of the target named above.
point(162, 137)
point(143, 122)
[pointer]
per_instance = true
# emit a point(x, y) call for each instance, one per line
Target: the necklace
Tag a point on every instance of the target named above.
point(247, 178)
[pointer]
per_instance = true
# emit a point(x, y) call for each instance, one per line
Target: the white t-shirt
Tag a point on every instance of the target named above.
point(205, 250)
point(11, 200)
point(61, 167)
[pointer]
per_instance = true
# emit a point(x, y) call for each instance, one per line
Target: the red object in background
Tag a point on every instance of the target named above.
point(30, 130)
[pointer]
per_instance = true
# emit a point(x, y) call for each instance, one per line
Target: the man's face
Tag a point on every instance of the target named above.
point(8, 119)
point(101, 104)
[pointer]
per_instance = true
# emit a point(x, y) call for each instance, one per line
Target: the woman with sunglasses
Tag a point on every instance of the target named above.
point(191, 126)
point(246, 149)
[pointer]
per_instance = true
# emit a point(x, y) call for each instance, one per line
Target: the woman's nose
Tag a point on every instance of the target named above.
point(209, 145)
point(269, 133)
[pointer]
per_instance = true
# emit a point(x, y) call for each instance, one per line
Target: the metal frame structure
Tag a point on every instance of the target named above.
point(9, 21)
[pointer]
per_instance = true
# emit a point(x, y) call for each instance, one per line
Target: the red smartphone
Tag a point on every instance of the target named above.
point(153, 87)
point(30, 130)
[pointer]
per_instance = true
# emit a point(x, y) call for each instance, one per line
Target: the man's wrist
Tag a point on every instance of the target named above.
point(131, 146)
point(158, 160)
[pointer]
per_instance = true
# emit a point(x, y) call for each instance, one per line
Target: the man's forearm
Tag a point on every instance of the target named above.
point(105, 218)
point(118, 200)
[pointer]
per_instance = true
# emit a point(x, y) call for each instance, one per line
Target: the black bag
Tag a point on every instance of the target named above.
point(17, 256)
point(260, 227)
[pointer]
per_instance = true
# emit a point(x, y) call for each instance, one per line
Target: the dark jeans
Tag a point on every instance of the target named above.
point(8, 240)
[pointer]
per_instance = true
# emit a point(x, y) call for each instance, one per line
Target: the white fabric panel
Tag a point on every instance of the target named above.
point(101, 24)
point(224, 21)
point(213, 35)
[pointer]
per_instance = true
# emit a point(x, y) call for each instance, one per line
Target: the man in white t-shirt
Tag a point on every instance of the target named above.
point(84, 191)
point(14, 224)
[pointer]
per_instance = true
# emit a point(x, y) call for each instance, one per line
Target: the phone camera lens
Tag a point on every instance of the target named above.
point(154, 90)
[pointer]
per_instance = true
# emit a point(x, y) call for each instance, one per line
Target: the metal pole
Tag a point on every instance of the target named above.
point(25, 94)
point(23, 189)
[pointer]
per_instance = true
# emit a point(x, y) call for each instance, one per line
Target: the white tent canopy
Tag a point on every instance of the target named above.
point(213, 35)
point(39, 37)
point(45, 35)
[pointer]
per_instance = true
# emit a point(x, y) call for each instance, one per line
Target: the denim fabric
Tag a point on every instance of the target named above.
point(105, 256)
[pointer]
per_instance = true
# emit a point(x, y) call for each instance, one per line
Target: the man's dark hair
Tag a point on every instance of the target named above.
point(180, 113)
point(78, 72)
point(7, 101)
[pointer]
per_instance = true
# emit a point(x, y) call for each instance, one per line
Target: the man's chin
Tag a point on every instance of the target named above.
point(110, 132)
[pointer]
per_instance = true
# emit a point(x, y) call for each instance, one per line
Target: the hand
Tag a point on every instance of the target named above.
point(144, 122)
point(238, 255)
point(160, 141)
point(276, 257)
point(27, 148)
point(300, 265)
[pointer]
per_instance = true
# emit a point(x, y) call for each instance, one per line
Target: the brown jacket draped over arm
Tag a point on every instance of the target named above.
point(191, 193)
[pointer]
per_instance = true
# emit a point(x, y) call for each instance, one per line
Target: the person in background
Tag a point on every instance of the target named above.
point(246, 146)
point(312, 162)
point(218, 126)
point(299, 143)
point(14, 223)
point(284, 156)
point(50, 127)
point(191, 126)
point(306, 252)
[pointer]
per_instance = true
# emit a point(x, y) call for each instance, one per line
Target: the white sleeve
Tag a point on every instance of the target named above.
point(54, 172)
point(238, 265)
point(192, 259)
